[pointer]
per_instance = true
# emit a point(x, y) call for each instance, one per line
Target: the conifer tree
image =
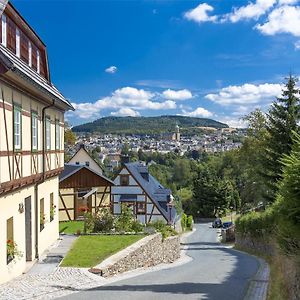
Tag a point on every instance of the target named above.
point(283, 119)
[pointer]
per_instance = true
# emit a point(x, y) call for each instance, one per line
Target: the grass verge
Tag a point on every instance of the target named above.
point(88, 251)
point(277, 289)
point(71, 227)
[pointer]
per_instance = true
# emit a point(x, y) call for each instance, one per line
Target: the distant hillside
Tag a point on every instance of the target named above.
point(147, 125)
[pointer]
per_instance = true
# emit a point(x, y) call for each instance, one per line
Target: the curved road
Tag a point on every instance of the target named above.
point(216, 272)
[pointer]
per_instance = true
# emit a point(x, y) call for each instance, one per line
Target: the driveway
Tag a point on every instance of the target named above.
point(216, 272)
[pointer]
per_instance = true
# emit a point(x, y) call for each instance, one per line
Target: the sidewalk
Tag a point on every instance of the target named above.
point(45, 280)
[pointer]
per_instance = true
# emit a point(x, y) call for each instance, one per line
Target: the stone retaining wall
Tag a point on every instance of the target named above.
point(263, 245)
point(148, 252)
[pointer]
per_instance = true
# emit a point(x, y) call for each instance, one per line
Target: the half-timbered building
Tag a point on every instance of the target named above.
point(31, 146)
point(81, 188)
point(138, 189)
point(82, 157)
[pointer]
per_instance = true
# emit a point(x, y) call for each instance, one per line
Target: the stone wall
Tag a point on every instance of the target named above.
point(148, 252)
point(263, 244)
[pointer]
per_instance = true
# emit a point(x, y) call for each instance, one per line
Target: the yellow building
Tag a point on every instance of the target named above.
point(31, 146)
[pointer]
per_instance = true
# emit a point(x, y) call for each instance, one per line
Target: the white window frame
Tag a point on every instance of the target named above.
point(48, 133)
point(18, 50)
point(30, 54)
point(4, 37)
point(17, 128)
point(38, 60)
point(57, 135)
point(34, 131)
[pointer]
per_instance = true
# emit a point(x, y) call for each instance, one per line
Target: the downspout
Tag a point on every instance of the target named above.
point(40, 181)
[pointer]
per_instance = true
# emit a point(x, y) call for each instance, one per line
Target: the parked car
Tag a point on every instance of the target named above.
point(227, 225)
point(217, 223)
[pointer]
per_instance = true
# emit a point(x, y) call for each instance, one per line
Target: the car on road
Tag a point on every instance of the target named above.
point(217, 223)
point(227, 225)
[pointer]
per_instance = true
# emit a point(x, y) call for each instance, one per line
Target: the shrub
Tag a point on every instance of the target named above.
point(257, 224)
point(124, 221)
point(189, 222)
point(137, 226)
point(103, 220)
point(183, 221)
point(164, 229)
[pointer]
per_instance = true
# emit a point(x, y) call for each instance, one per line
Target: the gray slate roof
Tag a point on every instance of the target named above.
point(16, 65)
point(71, 169)
point(158, 194)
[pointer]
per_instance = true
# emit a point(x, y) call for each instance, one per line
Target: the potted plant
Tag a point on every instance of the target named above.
point(52, 212)
point(42, 221)
point(12, 251)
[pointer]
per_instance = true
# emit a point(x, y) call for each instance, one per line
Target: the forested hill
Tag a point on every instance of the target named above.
point(147, 125)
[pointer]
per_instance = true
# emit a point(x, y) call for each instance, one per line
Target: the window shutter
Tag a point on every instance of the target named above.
point(42, 64)
point(34, 56)
point(24, 48)
point(11, 35)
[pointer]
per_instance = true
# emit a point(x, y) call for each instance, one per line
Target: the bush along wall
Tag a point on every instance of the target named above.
point(260, 232)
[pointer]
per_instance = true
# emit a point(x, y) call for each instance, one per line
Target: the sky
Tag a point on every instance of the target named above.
point(218, 59)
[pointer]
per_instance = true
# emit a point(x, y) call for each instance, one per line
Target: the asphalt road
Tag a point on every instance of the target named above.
point(216, 272)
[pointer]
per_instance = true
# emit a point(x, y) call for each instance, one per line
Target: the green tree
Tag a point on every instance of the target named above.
point(210, 193)
point(283, 118)
point(288, 201)
point(69, 135)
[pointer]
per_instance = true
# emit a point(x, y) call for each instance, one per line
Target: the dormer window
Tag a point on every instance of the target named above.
point(19, 40)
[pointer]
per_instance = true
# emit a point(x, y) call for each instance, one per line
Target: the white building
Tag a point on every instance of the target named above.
point(31, 146)
point(150, 201)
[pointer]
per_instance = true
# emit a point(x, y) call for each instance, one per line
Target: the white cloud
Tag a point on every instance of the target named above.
point(284, 19)
point(177, 95)
point(126, 97)
point(297, 45)
point(246, 94)
point(233, 122)
point(126, 112)
point(198, 112)
point(200, 14)
point(288, 2)
point(250, 11)
point(111, 69)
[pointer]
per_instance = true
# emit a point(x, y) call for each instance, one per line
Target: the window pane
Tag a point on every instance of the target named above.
point(34, 131)
point(17, 129)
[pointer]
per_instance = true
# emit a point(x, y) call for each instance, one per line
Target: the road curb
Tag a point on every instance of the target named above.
point(258, 285)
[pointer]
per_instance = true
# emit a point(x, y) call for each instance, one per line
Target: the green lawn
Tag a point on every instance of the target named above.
point(88, 251)
point(70, 227)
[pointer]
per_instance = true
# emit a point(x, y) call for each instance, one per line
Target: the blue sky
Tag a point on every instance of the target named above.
point(218, 59)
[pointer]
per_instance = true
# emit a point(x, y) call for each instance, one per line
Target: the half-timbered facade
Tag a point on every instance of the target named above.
point(31, 146)
point(81, 187)
point(82, 157)
point(138, 189)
